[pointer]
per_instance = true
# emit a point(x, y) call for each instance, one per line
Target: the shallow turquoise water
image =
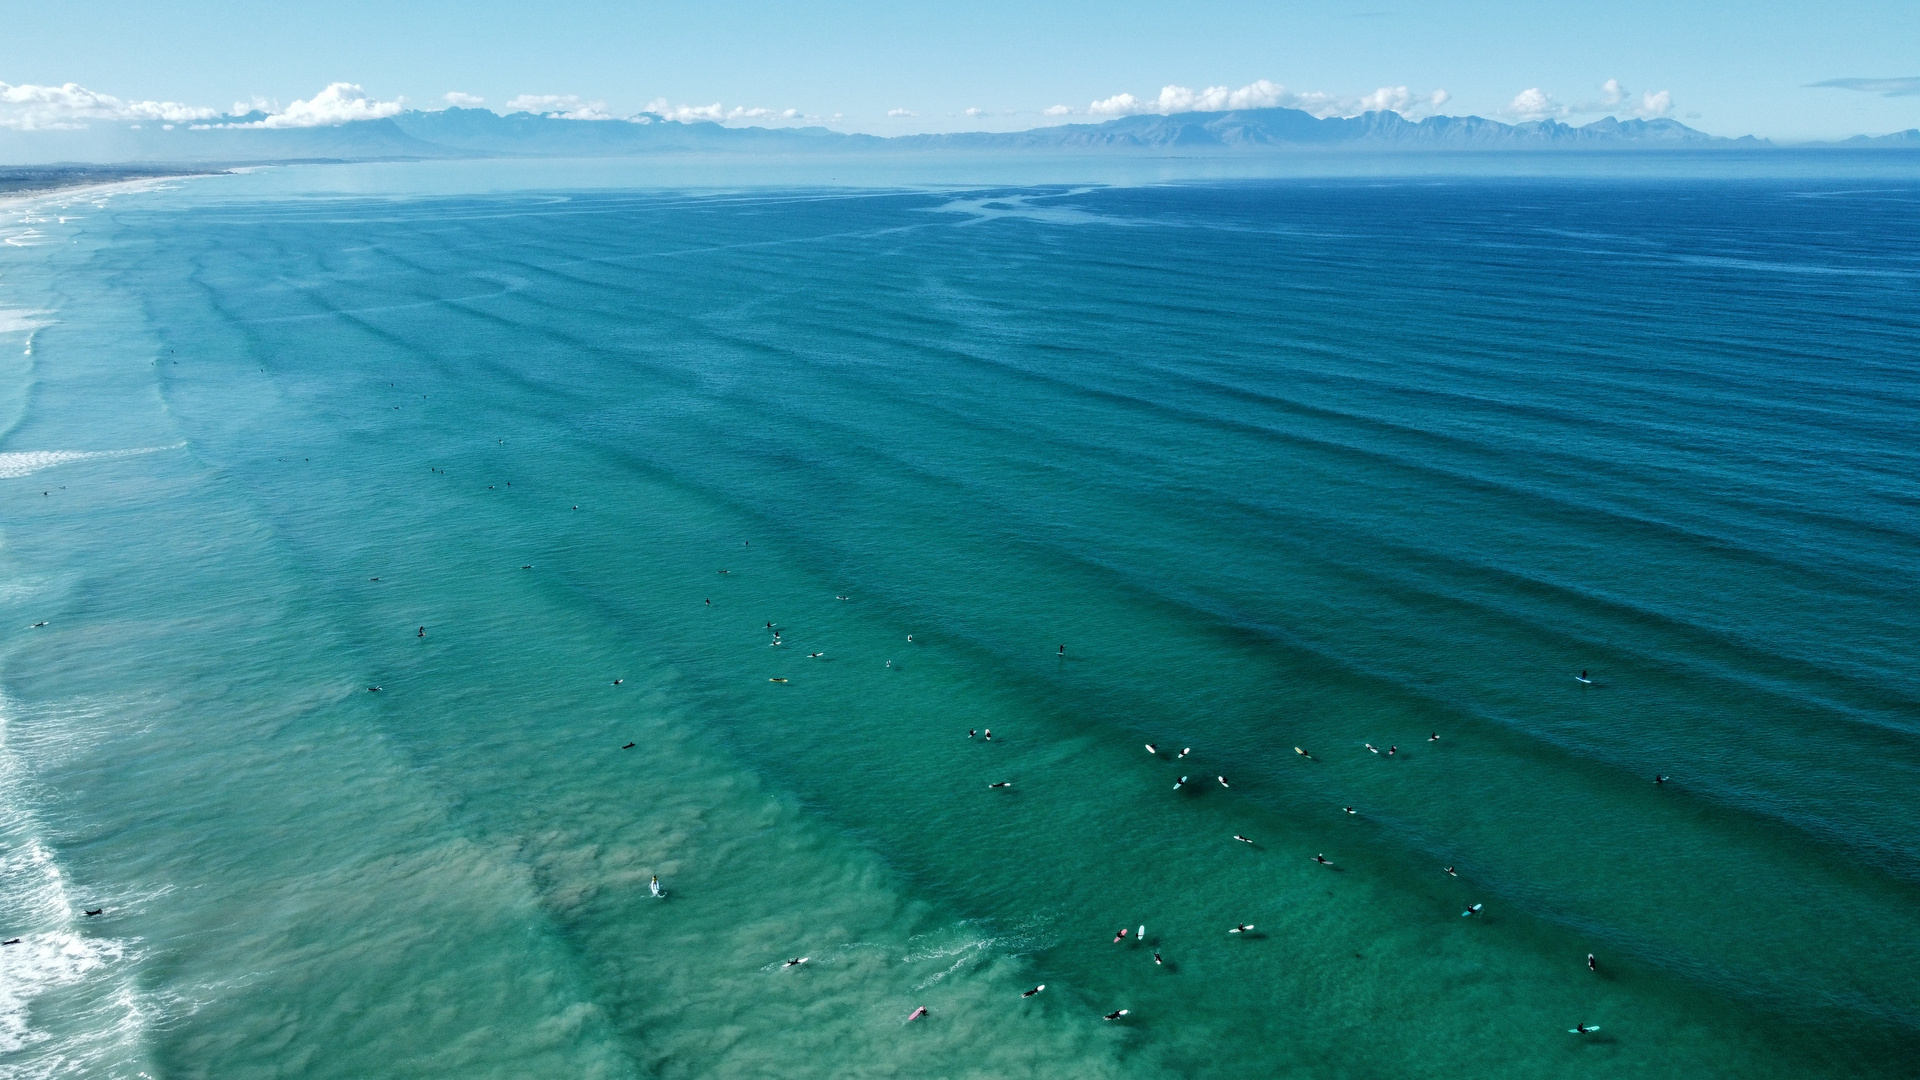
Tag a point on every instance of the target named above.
point(1313, 463)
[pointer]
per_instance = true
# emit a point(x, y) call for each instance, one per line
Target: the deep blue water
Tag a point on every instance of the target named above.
point(1309, 463)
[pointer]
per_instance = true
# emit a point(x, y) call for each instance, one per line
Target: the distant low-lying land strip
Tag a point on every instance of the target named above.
point(41, 179)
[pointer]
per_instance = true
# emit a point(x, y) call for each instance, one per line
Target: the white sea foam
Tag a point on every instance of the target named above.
point(106, 1031)
point(1020, 206)
point(17, 320)
point(26, 462)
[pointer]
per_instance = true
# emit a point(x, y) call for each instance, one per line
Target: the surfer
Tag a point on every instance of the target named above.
point(1156, 956)
point(1116, 1014)
point(1582, 1029)
point(373, 689)
point(1592, 964)
point(1222, 779)
point(10, 941)
point(96, 911)
point(987, 735)
point(617, 682)
point(815, 655)
point(1242, 839)
point(1349, 809)
point(1303, 753)
point(629, 746)
point(1371, 747)
point(796, 961)
point(1152, 749)
point(1180, 783)
point(1322, 860)
point(709, 602)
point(776, 680)
point(38, 625)
point(843, 598)
point(423, 630)
point(1121, 936)
point(1450, 872)
point(971, 733)
point(1035, 990)
point(917, 1014)
point(1001, 784)
point(1392, 750)
point(1063, 650)
point(655, 883)
point(1184, 751)
point(1435, 737)
point(1474, 910)
point(1661, 779)
point(1241, 928)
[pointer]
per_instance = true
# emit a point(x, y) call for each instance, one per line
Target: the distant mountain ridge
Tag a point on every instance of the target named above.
point(471, 133)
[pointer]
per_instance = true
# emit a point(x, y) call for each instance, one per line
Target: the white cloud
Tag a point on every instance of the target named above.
point(1057, 110)
point(560, 106)
point(720, 114)
point(1534, 103)
point(339, 103)
point(463, 101)
point(976, 111)
point(1263, 94)
point(1654, 104)
point(901, 112)
point(257, 104)
point(27, 107)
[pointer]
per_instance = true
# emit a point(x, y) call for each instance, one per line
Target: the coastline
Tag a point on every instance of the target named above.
point(19, 182)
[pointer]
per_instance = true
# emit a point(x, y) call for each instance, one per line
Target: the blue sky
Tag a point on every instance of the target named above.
point(1725, 68)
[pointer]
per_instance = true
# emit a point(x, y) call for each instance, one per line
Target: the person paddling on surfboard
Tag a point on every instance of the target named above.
point(1592, 965)
point(917, 1014)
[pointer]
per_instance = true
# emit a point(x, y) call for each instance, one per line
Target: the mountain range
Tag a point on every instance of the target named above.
point(472, 133)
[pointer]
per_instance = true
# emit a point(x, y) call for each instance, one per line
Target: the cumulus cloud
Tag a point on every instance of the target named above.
point(560, 106)
point(901, 112)
point(463, 101)
point(1057, 110)
point(339, 103)
point(1264, 94)
point(27, 107)
point(720, 114)
point(1884, 87)
point(1534, 103)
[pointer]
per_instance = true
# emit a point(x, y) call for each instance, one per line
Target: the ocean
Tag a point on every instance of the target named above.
point(404, 566)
